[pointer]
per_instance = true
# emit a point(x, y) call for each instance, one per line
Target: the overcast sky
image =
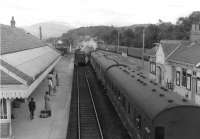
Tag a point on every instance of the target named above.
point(95, 12)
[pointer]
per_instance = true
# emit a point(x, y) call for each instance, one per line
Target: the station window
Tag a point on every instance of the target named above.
point(198, 86)
point(153, 67)
point(178, 78)
point(184, 78)
point(3, 109)
point(188, 81)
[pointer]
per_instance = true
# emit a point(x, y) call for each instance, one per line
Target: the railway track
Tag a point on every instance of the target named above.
point(92, 115)
point(88, 122)
point(88, 126)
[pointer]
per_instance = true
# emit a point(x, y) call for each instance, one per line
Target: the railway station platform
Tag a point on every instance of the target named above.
point(54, 127)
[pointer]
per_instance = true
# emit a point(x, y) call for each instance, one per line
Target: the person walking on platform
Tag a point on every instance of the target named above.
point(32, 107)
point(50, 85)
point(53, 83)
point(47, 106)
point(57, 81)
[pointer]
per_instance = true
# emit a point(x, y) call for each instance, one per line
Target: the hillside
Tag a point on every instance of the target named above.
point(108, 34)
point(49, 29)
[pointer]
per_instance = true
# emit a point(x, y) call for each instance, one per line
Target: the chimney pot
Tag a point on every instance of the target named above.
point(12, 22)
point(195, 32)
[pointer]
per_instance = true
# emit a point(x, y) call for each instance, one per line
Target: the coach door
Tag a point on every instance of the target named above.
point(159, 133)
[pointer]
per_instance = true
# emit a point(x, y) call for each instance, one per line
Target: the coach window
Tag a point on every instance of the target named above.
point(159, 133)
point(3, 109)
point(188, 81)
point(123, 102)
point(129, 108)
point(119, 96)
point(178, 78)
point(139, 121)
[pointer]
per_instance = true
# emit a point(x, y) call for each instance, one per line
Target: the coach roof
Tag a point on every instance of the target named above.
point(151, 98)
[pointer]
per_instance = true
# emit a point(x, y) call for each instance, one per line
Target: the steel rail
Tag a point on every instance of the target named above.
point(96, 115)
point(78, 116)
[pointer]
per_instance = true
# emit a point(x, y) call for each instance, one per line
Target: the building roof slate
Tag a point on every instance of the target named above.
point(16, 39)
point(188, 52)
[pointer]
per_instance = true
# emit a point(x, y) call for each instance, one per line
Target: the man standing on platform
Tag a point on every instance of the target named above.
point(50, 85)
point(32, 107)
point(57, 81)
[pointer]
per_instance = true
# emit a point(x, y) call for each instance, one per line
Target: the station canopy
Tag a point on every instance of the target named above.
point(24, 62)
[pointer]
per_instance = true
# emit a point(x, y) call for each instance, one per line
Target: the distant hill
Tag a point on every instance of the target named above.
point(133, 27)
point(49, 29)
point(128, 35)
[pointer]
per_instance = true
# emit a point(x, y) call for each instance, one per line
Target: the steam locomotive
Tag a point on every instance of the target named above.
point(81, 57)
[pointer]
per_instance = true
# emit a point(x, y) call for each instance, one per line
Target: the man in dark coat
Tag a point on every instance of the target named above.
point(32, 107)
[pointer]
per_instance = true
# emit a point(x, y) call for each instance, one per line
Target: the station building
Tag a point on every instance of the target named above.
point(175, 64)
point(25, 61)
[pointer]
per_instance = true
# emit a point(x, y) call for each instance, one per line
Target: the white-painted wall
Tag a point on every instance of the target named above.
point(168, 73)
point(160, 56)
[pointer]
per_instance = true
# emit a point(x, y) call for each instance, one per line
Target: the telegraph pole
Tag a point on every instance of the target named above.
point(40, 29)
point(118, 39)
point(143, 45)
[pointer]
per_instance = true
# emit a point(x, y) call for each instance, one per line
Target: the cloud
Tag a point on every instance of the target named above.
point(94, 12)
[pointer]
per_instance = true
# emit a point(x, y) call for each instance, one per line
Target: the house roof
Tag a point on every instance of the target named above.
point(188, 52)
point(151, 52)
point(16, 39)
point(169, 46)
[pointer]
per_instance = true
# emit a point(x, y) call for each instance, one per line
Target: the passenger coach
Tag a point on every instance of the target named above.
point(147, 110)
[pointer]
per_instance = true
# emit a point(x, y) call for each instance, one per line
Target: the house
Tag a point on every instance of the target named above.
point(25, 61)
point(175, 65)
point(160, 69)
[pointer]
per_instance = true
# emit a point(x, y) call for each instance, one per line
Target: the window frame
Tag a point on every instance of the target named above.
point(178, 78)
point(138, 121)
point(153, 68)
point(3, 109)
point(184, 77)
point(188, 80)
point(198, 88)
point(129, 108)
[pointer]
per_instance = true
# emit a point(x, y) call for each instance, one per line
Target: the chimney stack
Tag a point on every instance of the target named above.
point(12, 22)
point(195, 32)
point(40, 29)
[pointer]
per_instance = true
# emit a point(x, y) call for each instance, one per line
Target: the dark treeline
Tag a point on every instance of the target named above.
point(131, 36)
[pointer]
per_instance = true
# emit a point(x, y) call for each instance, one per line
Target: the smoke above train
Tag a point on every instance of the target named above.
point(88, 45)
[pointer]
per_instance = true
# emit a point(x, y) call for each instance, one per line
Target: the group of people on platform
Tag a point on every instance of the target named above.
point(53, 82)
